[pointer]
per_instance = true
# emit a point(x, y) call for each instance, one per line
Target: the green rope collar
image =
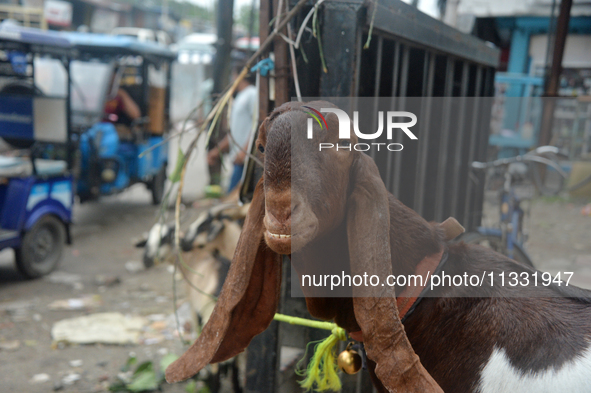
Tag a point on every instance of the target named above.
point(322, 369)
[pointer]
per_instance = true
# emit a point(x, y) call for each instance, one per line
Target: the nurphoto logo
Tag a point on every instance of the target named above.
point(345, 129)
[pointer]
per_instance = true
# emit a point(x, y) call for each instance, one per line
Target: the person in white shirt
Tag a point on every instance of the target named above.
point(241, 124)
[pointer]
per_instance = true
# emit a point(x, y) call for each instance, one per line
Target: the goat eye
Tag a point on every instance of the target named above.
point(345, 143)
point(261, 148)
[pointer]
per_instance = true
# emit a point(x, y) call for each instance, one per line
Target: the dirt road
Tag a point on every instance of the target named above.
point(102, 246)
point(560, 239)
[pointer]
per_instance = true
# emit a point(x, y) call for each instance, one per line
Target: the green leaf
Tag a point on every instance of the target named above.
point(191, 387)
point(178, 168)
point(130, 362)
point(167, 360)
point(118, 386)
point(145, 366)
point(142, 381)
point(204, 389)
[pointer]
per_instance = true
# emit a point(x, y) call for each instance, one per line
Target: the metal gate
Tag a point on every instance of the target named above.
point(410, 55)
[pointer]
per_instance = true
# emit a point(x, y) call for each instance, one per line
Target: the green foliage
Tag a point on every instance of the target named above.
point(145, 378)
point(188, 10)
point(178, 168)
point(181, 8)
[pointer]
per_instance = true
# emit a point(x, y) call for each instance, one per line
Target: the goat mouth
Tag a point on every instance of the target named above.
point(278, 235)
point(278, 242)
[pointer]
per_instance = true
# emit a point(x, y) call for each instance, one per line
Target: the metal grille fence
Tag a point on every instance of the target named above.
point(410, 55)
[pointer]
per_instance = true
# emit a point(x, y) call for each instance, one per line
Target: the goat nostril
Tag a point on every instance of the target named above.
point(295, 208)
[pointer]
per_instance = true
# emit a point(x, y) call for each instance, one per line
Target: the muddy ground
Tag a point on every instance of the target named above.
point(560, 239)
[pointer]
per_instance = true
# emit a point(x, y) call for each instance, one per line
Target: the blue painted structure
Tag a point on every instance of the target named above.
point(116, 45)
point(518, 78)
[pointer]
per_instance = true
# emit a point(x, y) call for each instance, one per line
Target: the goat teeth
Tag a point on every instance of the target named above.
point(279, 236)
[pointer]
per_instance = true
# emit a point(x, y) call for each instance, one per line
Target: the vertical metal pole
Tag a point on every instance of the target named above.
point(402, 104)
point(282, 66)
point(444, 140)
point(221, 62)
point(376, 89)
point(468, 204)
point(420, 181)
point(264, 20)
point(261, 361)
point(555, 71)
point(393, 107)
point(483, 134)
point(458, 169)
point(341, 24)
point(69, 146)
point(358, 52)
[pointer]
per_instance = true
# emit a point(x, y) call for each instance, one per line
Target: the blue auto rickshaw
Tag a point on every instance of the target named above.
point(36, 181)
point(117, 146)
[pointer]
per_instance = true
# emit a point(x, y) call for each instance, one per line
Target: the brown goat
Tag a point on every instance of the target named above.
point(308, 205)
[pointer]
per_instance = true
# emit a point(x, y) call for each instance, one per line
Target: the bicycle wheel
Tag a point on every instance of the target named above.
point(496, 243)
point(547, 180)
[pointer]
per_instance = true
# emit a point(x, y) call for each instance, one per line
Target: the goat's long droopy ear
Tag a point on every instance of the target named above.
point(246, 304)
point(368, 230)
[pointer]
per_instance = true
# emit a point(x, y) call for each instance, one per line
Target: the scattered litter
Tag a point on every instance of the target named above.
point(158, 325)
point(89, 301)
point(156, 317)
point(125, 377)
point(162, 351)
point(40, 378)
point(71, 378)
point(134, 266)
point(106, 281)
point(37, 317)
point(19, 311)
point(586, 210)
point(10, 345)
point(14, 307)
point(76, 363)
point(63, 278)
point(30, 343)
point(105, 328)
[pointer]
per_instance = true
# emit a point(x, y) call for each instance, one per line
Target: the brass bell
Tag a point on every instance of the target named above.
point(349, 361)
